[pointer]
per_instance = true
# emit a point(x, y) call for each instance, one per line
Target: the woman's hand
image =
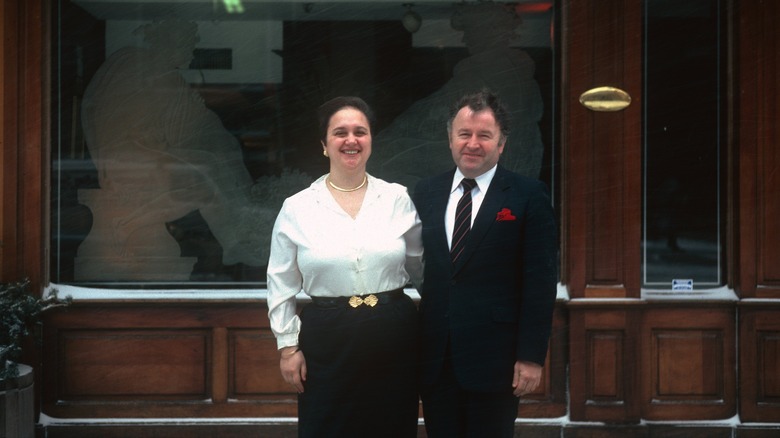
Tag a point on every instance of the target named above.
point(293, 367)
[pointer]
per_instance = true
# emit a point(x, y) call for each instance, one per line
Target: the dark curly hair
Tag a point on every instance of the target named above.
point(479, 101)
point(327, 109)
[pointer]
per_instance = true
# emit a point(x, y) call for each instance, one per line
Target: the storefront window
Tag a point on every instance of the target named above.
point(179, 127)
point(683, 243)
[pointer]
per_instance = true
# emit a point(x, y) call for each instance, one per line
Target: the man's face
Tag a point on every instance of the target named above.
point(475, 141)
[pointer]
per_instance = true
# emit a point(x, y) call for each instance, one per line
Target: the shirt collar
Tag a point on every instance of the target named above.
point(320, 187)
point(483, 181)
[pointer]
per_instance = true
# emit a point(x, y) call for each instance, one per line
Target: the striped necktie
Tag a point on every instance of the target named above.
point(462, 219)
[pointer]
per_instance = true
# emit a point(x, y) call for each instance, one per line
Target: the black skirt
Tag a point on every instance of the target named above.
point(361, 370)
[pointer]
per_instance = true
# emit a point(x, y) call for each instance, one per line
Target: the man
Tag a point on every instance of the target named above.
point(490, 280)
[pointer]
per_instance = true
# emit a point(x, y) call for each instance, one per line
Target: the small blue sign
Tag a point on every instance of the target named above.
point(686, 284)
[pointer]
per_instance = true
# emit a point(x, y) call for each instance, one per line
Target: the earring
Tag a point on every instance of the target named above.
point(324, 153)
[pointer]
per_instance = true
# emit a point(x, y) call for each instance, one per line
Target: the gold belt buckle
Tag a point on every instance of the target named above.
point(355, 301)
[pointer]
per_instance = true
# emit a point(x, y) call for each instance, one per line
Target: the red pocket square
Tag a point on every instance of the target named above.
point(505, 215)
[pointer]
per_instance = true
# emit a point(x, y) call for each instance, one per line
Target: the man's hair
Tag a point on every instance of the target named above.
point(327, 109)
point(480, 101)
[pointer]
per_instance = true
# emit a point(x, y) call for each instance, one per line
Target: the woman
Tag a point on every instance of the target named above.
point(351, 242)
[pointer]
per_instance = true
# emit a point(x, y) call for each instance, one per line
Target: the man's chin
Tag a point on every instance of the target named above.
point(470, 167)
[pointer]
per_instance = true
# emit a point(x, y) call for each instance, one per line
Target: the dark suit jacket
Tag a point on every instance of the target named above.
point(495, 306)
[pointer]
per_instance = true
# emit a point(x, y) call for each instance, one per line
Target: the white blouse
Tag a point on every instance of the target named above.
point(318, 248)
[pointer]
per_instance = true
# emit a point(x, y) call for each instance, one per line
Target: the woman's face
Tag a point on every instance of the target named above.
point(348, 140)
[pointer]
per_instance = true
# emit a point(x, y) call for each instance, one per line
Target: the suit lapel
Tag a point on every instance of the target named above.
point(486, 217)
point(440, 189)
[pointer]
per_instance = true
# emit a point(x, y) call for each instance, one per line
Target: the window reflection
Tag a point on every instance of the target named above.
point(180, 128)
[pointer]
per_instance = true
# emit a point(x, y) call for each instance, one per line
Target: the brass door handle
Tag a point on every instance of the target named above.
point(605, 99)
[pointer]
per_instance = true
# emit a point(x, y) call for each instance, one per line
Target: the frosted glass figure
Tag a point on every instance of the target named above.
point(160, 154)
point(415, 144)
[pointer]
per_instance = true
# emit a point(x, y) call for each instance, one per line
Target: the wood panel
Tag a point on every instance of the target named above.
point(8, 52)
point(549, 400)
point(759, 362)
point(690, 362)
point(604, 365)
point(143, 359)
point(674, 378)
point(652, 360)
point(9, 265)
point(759, 156)
point(601, 150)
point(248, 355)
point(143, 364)
point(22, 141)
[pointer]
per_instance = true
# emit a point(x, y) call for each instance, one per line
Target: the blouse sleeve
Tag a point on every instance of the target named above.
point(413, 239)
point(284, 281)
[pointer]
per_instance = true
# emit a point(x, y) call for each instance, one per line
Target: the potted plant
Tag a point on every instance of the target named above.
point(20, 314)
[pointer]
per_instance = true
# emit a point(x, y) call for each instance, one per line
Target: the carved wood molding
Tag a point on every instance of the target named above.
point(758, 151)
point(601, 150)
point(23, 135)
point(759, 339)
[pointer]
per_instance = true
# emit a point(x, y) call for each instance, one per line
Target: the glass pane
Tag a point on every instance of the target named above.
point(181, 126)
point(683, 214)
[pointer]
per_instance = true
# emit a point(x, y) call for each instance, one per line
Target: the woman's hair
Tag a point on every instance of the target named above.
point(327, 109)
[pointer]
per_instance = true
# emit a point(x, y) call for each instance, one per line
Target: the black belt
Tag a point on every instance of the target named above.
point(355, 301)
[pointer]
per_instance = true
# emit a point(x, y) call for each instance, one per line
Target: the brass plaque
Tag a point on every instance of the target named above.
point(605, 99)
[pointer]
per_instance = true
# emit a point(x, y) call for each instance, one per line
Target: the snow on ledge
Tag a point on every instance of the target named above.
point(719, 294)
point(81, 293)
point(46, 420)
point(563, 421)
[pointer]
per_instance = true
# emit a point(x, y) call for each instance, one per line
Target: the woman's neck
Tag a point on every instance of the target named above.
point(347, 180)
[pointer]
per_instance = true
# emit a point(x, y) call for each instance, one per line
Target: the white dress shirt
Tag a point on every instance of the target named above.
point(477, 196)
point(317, 248)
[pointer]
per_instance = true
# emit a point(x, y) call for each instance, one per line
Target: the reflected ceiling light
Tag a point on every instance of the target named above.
point(233, 6)
point(411, 20)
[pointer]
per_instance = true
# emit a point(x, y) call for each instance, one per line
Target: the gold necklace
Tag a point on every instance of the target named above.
point(365, 180)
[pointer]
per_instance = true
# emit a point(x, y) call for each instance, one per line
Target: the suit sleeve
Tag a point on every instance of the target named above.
point(539, 258)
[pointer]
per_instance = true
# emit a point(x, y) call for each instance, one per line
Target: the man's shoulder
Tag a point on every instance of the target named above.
point(431, 188)
point(519, 180)
point(435, 180)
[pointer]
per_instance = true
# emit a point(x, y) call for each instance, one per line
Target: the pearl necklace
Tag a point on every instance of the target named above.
point(365, 180)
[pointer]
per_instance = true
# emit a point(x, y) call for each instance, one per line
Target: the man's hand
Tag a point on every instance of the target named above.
point(293, 367)
point(528, 375)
